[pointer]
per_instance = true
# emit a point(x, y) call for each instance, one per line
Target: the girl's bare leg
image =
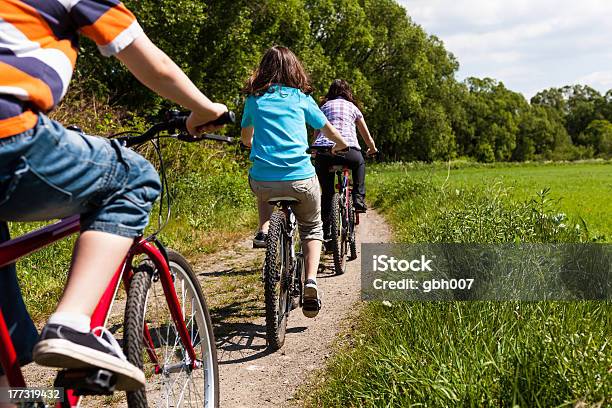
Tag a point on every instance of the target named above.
point(312, 253)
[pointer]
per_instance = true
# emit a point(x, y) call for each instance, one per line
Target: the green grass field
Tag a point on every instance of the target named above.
point(480, 354)
point(582, 189)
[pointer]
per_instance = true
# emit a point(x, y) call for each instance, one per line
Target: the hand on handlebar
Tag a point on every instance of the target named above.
point(199, 123)
point(339, 147)
point(372, 152)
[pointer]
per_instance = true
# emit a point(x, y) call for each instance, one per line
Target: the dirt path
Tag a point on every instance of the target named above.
point(252, 377)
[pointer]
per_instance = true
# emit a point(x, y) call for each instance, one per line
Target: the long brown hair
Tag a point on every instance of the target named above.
point(278, 66)
point(340, 89)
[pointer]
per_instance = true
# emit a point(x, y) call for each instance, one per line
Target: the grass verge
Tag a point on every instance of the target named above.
point(474, 354)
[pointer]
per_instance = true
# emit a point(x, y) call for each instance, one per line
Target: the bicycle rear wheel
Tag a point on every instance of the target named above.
point(338, 236)
point(172, 381)
point(276, 283)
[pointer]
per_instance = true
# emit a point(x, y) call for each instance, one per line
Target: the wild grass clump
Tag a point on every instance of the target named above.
point(424, 212)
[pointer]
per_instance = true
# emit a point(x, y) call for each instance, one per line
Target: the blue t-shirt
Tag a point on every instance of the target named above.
point(280, 140)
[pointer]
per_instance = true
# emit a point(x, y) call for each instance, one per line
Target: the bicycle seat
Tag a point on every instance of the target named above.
point(335, 168)
point(283, 200)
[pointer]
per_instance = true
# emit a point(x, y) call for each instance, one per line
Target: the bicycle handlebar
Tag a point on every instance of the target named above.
point(325, 149)
point(177, 122)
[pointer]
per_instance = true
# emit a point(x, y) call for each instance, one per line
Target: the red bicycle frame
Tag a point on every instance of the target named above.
point(17, 248)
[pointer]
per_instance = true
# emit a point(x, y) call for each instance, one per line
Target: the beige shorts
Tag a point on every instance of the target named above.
point(307, 210)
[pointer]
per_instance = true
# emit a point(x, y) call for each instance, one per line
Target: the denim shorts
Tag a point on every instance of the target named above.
point(50, 172)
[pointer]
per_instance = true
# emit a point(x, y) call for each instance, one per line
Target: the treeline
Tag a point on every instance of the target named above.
point(496, 124)
point(404, 77)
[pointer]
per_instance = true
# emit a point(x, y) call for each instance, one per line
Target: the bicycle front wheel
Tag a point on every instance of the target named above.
point(171, 380)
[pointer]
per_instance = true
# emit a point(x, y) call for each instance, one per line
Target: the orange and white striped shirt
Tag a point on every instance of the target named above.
point(38, 51)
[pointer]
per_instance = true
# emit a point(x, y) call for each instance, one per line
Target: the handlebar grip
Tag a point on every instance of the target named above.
point(179, 123)
point(227, 118)
point(374, 156)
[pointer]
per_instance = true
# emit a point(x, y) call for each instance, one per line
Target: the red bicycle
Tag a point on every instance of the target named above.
point(343, 217)
point(165, 310)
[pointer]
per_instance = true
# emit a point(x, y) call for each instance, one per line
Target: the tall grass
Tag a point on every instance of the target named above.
point(475, 354)
point(472, 354)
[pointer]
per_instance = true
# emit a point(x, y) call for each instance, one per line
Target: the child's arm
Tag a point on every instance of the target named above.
point(246, 136)
point(365, 134)
point(332, 134)
point(157, 71)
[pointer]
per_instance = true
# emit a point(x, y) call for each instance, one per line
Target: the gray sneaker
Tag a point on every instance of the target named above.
point(312, 299)
point(260, 240)
point(63, 347)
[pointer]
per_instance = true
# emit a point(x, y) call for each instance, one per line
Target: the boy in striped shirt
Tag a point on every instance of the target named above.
point(112, 188)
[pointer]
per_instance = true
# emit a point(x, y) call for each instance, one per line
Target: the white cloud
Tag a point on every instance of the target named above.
point(601, 79)
point(528, 44)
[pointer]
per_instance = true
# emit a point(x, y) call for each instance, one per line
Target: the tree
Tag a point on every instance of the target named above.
point(541, 133)
point(495, 113)
point(598, 135)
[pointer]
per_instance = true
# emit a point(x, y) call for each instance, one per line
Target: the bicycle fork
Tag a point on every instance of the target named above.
point(167, 281)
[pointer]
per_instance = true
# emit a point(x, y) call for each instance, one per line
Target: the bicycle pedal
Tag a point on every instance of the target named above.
point(295, 302)
point(90, 381)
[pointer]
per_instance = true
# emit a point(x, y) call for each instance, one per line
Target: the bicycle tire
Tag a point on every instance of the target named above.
point(337, 236)
point(274, 273)
point(140, 309)
point(352, 234)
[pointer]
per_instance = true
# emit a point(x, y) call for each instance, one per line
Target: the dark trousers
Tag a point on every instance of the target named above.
point(355, 161)
point(20, 326)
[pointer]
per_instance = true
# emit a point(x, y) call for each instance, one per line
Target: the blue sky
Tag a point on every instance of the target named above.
point(528, 45)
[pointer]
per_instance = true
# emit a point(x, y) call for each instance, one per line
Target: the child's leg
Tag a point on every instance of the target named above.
point(312, 255)
point(96, 257)
point(357, 164)
point(308, 213)
point(17, 319)
point(265, 211)
point(326, 179)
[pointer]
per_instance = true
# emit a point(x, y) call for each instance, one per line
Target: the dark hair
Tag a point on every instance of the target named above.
point(340, 89)
point(278, 66)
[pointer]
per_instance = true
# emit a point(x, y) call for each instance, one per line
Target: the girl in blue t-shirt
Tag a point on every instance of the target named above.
point(276, 112)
